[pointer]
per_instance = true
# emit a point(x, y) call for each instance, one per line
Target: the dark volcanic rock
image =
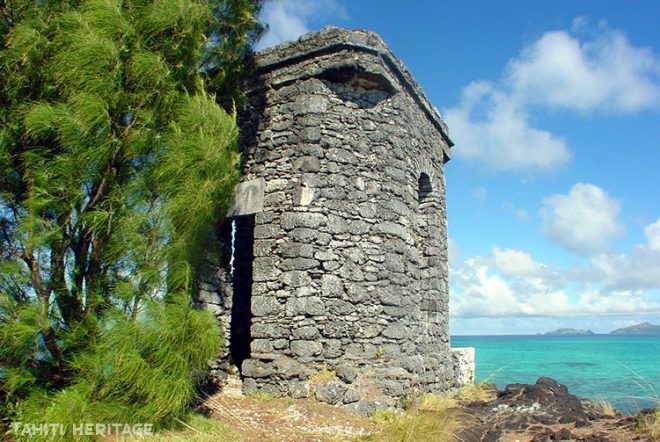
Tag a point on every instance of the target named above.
point(544, 411)
point(547, 402)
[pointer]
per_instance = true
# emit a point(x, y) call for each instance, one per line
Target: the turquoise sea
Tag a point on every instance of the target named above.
point(624, 370)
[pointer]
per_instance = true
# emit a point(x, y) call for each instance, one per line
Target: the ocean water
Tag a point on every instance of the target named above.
point(624, 370)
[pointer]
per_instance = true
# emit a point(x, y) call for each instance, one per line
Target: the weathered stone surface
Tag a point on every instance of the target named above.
point(351, 396)
point(332, 286)
point(306, 104)
point(302, 219)
point(306, 348)
point(299, 389)
point(307, 164)
point(248, 198)
point(346, 263)
point(261, 346)
point(294, 250)
point(395, 331)
point(253, 368)
point(393, 229)
point(331, 392)
point(346, 373)
point(307, 332)
point(265, 305)
point(264, 330)
point(311, 306)
point(288, 368)
point(296, 279)
point(299, 264)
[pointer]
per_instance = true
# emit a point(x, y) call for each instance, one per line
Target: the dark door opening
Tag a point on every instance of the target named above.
point(241, 276)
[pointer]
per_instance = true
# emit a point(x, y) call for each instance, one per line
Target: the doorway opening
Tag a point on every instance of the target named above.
point(241, 277)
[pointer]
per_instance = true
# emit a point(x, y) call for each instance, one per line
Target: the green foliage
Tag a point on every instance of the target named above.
point(143, 371)
point(116, 158)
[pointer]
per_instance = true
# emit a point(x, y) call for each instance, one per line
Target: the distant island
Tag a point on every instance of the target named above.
point(568, 332)
point(645, 328)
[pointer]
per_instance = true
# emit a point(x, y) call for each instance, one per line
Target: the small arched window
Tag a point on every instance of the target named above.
point(424, 189)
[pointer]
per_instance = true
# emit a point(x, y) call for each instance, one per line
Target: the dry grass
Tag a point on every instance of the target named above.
point(429, 417)
point(650, 424)
point(604, 407)
point(198, 429)
point(323, 376)
point(477, 392)
point(261, 396)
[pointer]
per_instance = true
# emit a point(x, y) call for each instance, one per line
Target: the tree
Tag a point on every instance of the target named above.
point(116, 157)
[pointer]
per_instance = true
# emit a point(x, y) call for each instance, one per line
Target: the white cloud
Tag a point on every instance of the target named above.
point(652, 232)
point(530, 325)
point(509, 283)
point(633, 272)
point(584, 220)
point(492, 130)
point(604, 73)
point(512, 262)
point(480, 289)
point(289, 19)
point(508, 291)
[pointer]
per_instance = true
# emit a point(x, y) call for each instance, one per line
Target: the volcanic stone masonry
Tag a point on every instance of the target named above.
point(338, 283)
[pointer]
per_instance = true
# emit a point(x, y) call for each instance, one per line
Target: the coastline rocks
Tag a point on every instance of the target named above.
point(546, 402)
point(544, 411)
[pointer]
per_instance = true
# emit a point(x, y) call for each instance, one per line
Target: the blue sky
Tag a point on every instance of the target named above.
point(553, 187)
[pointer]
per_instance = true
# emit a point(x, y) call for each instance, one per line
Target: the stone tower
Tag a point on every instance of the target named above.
point(339, 229)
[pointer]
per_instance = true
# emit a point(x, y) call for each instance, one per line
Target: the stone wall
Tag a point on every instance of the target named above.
point(348, 284)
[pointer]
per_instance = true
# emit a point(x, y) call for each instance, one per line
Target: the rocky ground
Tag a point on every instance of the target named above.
point(545, 411)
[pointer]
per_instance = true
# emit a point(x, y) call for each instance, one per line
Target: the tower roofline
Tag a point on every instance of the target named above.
point(333, 39)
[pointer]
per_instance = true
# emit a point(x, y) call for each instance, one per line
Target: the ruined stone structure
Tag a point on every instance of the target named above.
point(340, 230)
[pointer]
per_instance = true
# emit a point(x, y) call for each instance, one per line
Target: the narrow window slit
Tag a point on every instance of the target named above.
point(424, 189)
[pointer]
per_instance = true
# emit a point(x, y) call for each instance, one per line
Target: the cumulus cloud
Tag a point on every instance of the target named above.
point(602, 72)
point(512, 262)
point(652, 232)
point(584, 220)
point(490, 129)
point(289, 19)
point(478, 289)
point(634, 272)
point(605, 73)
point(511, 283)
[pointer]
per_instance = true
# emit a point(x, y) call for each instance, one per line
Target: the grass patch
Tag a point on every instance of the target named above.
point(430, 417)
point(650, 424)
point(197, 428)
point(604, 407)
point(323, 376)
point(261, 396)
point(477, 392)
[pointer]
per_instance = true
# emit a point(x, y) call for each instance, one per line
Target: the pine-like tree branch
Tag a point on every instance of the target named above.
point(7, 12)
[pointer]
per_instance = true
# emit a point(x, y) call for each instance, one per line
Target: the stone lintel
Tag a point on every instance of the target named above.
point(248, 198)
